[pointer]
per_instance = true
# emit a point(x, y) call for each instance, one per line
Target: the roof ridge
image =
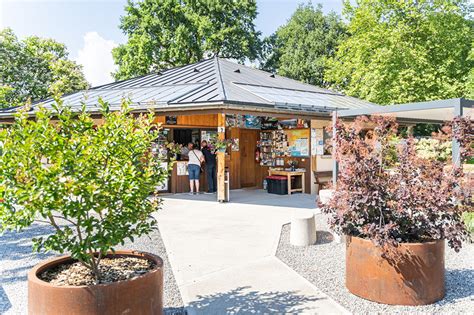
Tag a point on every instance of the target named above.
point(220, 82)
point(285, 78)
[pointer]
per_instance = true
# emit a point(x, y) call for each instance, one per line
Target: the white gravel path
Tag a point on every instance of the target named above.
point(323, 264)
point(16, 258)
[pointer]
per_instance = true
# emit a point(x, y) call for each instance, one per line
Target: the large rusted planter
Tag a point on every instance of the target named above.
point(410, 274)
point(141, 295)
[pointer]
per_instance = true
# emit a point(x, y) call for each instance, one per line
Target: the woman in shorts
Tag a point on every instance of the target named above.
point(196, 158)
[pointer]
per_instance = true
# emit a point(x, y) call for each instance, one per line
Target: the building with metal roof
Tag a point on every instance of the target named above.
point(213, 83)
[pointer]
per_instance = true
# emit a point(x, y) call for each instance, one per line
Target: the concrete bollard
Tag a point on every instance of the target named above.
point(325, 195)
point(303, 229)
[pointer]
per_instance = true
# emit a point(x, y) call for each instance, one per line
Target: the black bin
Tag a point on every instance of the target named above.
point(277, 185)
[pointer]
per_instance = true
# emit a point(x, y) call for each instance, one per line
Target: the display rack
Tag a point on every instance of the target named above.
point(273, 147)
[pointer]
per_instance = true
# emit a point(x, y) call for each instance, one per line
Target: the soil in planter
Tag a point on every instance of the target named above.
point(112, 270)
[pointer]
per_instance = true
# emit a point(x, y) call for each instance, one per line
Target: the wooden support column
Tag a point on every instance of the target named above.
point(220, 159)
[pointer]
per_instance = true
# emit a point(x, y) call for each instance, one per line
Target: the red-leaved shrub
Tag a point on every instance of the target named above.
point(387, 193)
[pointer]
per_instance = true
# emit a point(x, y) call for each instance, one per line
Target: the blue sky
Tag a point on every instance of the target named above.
point(90, 28)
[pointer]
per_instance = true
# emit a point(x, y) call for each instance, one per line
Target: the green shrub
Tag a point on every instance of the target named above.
point(434, 149)
point(468, 218)
point(91, 183)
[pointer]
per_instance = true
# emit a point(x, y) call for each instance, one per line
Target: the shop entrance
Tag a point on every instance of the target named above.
point(248, 144)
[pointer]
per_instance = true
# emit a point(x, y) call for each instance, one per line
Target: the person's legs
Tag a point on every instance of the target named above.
point(191, 186)
point(197, 185)
point(193, 171)
point(214, 178)
point(210, 177)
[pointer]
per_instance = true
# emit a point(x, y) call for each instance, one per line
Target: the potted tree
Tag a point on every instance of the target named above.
point(93, 184)
point(396, 209)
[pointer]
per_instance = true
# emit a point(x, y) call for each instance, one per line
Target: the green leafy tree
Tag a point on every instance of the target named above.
point(91, 183)
point(404, 51)
point(34, 68)
point(299, 48)
point(470, 80)
point(170, 33)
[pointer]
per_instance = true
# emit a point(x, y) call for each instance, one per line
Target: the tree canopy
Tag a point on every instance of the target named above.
point(470, 79)
point(299, 48)
point(35, 68)
point(170, 33)
point(404, 51)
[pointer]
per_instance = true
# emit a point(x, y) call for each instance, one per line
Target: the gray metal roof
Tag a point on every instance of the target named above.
point(209, 82)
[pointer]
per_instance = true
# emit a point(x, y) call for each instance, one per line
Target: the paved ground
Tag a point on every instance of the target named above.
point(16, 258)
point(223, 254)
point(222, 257)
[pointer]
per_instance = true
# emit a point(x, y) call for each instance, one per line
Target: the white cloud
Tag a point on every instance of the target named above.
point(96, 58)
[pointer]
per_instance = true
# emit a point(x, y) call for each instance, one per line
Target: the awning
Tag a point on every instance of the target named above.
point(430, 111)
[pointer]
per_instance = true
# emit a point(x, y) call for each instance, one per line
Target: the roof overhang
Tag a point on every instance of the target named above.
point(424, 112)
point(228, 107)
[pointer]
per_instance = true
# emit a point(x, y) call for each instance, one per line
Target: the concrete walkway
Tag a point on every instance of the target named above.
point(222, 255)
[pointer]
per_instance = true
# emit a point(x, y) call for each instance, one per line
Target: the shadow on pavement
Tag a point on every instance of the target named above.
point(243, 301)
point(253, 196)
point(5, 304)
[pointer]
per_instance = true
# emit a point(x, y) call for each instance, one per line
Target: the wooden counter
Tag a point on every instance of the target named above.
point(180, 183)
point(289, 174)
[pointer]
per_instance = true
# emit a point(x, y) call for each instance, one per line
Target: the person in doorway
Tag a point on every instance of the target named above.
point(196, 158)
point(210, 158)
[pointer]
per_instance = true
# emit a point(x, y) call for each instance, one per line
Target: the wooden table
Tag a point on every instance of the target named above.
point(288, 175)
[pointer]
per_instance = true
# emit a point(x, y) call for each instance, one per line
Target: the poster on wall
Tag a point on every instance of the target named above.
point(318, 142)
point(298, 142)
point(208, 135)
point(252, 122)
point(313, 142)
point(182, 168)
point(235, 145)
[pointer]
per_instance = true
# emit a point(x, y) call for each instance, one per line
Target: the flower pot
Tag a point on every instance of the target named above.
point(410, 274)
point(139, 295)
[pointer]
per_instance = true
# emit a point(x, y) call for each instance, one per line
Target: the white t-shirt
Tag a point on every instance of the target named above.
point(195, 157)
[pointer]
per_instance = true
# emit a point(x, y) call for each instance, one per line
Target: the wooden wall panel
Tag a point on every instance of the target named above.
point(205, 120)
point(159, 120)
point(198, 120)
point(180, 184)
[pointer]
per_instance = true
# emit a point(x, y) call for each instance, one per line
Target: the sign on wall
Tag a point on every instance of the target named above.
point(298, 142)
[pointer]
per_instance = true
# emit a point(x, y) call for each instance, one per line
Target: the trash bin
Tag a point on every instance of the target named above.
point(277, 185)
point(226, 185)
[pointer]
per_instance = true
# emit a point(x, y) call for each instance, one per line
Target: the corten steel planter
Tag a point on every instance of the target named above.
point(142, 295)
point(410, 274)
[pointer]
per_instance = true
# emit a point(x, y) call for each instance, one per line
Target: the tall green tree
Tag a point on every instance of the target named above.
point(299, 48)
point(470, 79)
point(35, 68)
point(169, 33)
point(404, 51)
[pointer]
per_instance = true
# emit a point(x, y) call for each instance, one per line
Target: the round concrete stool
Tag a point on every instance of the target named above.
point(325, 195)
point(303, 229)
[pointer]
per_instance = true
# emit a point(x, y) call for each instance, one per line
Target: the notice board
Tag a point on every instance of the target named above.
point(298, 142)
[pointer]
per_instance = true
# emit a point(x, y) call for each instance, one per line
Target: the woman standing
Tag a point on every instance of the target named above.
point(196, 158)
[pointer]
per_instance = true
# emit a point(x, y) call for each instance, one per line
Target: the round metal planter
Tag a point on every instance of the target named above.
point(142, 295)
point(410, 274)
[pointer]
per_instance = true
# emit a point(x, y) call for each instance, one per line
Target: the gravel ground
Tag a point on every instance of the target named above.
point(323, 265)
point(16, 258)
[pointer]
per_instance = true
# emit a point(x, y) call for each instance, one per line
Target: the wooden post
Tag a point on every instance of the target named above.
point(220, 159)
